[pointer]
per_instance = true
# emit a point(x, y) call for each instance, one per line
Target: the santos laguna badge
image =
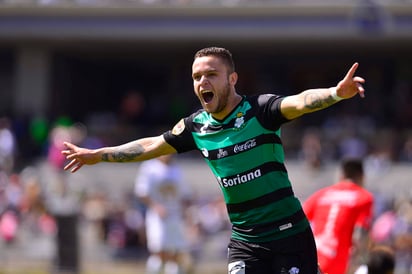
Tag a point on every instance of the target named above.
point(240, 120)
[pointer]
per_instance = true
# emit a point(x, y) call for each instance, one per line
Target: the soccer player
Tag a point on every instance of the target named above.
point(239, 138)
point(160, 187)
point(340, 216)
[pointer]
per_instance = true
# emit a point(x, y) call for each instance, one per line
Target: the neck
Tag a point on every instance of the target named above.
point(230, 106)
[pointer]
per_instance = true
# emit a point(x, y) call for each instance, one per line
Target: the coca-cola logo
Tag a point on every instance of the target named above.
point(245, 146)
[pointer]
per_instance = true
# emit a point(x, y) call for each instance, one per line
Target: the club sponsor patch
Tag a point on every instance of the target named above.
point(178, 128)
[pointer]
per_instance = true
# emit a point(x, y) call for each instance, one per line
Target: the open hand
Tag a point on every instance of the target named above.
point(78, 156)
point(351, 85)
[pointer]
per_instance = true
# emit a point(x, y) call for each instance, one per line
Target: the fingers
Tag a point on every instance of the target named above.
point(71, 150)
point(70, 154)
point(361, 90)
point(70, 164)
point(74, 165)
point(358, 81)
point(351, 71)
point(68, 145)
point(76, 168)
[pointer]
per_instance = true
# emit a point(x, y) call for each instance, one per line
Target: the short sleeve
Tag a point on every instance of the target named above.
point(180, 136)
point(270, 114)
point(365, 214)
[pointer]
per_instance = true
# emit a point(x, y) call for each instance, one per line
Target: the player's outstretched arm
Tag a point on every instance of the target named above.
point(316, 99)
point(139, 150)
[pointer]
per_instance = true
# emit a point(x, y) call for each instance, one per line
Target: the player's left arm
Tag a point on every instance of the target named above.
point(360, 243)
point(360, 235)
point(312, 100)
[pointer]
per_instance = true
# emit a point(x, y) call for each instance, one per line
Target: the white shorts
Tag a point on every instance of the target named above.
point(165, 234)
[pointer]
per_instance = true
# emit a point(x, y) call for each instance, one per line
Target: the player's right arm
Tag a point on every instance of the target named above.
point(138, 150)
point(312, 100)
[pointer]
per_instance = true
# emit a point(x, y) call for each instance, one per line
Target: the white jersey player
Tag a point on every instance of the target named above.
point(160, 187)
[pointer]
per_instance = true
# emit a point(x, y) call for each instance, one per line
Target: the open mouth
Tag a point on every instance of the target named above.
point(207, 96)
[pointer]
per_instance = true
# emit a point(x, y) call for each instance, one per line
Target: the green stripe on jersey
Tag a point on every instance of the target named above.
point(249, 165)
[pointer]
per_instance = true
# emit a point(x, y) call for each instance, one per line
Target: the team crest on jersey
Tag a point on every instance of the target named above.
point(178, 128)
point(240, 120)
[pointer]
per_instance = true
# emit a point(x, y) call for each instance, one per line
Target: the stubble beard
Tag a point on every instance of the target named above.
point(222, 100)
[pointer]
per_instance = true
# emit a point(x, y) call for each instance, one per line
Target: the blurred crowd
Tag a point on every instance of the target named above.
point(393, 227)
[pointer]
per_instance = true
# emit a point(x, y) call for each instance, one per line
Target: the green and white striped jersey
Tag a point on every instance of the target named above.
point(245, 153)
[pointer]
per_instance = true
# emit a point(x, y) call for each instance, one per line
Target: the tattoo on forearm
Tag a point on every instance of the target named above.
point(105, 157)
point(123, 155)
point(316, 101)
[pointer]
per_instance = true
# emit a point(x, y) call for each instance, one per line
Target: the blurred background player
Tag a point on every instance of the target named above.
point(381, 260)
point(160, 187)
point(340, 217)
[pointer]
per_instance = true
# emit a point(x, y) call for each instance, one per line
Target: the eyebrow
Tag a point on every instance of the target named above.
point(207, 71)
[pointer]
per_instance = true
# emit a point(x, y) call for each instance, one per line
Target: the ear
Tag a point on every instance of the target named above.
point(233, 78)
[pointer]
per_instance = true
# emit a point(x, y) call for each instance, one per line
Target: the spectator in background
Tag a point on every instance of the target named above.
point(10, 218)
point(131, 107)
point(383, 226)
point(63, 130)
point(7, 146)
point(394, 228)
point(14, 193)
point(160, 187)
point(402, 236)
point(63, 199)
point(311, 151)
point(406, 151)
point(34, 211)
point(352, 146)
point(4, 181)
point(340, 217)
point(130, 115)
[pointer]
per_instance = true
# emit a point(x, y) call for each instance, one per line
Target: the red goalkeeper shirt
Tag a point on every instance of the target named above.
point(334, 212)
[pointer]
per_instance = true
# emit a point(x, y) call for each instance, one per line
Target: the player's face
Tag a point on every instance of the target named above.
point(212, 84)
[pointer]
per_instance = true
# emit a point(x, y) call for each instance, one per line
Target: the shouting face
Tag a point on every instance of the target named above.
point(214, 85)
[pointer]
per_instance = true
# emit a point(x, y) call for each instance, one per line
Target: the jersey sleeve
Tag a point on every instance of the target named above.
point(180, 137)
point(270, 114)
point(365, 214)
